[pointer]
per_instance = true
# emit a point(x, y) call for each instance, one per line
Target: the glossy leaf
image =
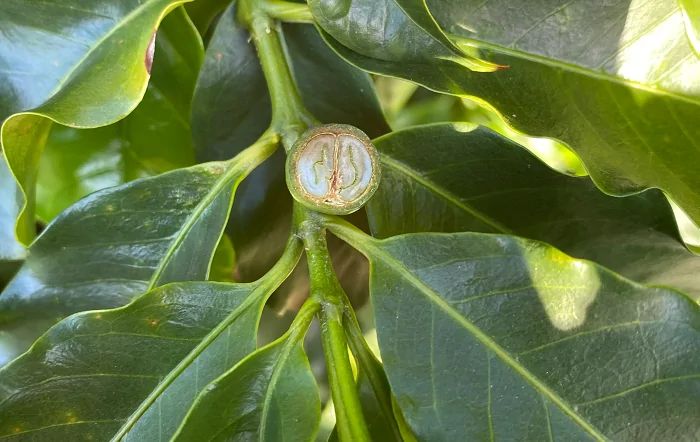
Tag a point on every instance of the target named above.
point(269, 396)
point(58, 63)
point(632, 128)
point(691, 19)
point(332, 90)
point(401, 31)
point(513, 340)
point(121, 242)
point(11, 251)
point(153, 139)
point(472, 179)
point(129, 373)
point(231, 107)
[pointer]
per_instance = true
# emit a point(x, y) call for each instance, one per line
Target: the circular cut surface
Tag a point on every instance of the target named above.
point(334, 169)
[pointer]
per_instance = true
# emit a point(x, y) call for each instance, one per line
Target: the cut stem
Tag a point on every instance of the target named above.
point(326, 290)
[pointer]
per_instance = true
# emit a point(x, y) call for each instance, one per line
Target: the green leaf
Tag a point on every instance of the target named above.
point(495, 337)
point(691, 19)
point(401, 31)
point(153, 139)
point(60, 62)
point(11, 251)
point(332, 90)
point(121, 242)
point(633, 128)
point(473, 179)
point(269, 396)
point(231, 108)
point(133, 372)
point(223, 264)
point(203, 13)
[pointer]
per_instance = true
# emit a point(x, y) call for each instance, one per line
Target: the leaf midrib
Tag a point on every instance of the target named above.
point(376, 251)
point(257, 288)
point(233, 173)
point(442, 192)
point(279, 365)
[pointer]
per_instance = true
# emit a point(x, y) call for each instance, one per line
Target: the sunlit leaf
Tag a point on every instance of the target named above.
point(153, 139)
point(691, 18)
point(472, 179)
point(491, 337)
point(59, 63)
point(616, 82)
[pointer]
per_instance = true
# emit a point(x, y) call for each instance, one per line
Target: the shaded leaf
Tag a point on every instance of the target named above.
point(269, 396)
point(132, 372)
point(203, 13)
point(223, 264)
point(58, 63)
point(511, 339)
point(231, 107)
point(632, 128)
point(472, 179)
point(153, 139)
point(332, 90)
point(400, 31)
point(121, 242)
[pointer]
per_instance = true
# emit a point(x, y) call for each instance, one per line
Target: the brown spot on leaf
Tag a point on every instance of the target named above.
point(219, 56)
point(150, 52)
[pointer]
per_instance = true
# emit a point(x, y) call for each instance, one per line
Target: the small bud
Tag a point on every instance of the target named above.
point(333, 169)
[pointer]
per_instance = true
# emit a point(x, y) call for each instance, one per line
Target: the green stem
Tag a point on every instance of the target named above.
point(288, 11)
point(289, 116)
point(372, 368)
point(326, 290)
point(349, 233)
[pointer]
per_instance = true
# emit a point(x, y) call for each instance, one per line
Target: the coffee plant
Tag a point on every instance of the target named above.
point(209, 209)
